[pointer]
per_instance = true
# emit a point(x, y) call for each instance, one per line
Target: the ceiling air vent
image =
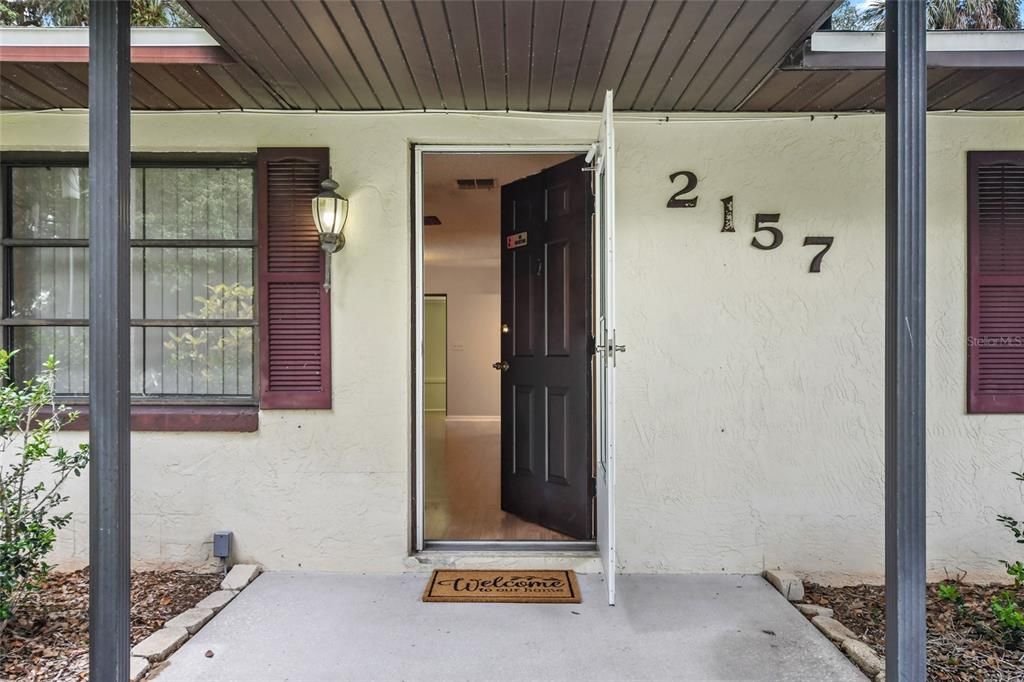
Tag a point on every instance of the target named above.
point(475, 183)
point(431, 220)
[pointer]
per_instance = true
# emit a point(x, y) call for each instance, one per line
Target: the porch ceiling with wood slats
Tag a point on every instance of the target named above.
point(538, 55)
point(858, 90)
point(53, 85)
point(527, 55)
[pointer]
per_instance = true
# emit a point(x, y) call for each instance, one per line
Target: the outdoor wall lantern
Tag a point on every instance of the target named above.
point(330, 211)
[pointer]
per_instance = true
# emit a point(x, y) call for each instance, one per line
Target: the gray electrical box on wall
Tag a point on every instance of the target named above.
point(222, 544)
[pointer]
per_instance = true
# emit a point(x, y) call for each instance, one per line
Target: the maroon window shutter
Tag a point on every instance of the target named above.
point(995, 225)
point(295, 313)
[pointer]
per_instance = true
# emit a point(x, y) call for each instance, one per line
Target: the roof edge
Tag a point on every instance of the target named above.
point(946, 49)
point(78, 36)
point(935, 41)
point(149, 45)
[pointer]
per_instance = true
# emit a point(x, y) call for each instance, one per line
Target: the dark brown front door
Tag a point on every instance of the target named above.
point(545, 388)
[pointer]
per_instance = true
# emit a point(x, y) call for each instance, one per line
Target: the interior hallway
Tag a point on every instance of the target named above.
point(463, 481)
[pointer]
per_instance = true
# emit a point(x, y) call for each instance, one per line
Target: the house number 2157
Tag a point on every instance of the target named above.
point(768, 233)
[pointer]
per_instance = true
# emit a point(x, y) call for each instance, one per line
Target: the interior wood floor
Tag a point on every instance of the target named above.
point(463, 481)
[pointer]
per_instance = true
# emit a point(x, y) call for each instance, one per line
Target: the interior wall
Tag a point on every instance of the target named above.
point(435, 351)
point(474, 337)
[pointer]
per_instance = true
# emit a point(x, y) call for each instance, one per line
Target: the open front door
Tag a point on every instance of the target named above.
point(604, 299)
point(546, 304)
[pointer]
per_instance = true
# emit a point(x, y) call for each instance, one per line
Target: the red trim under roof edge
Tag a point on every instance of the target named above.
point(145, 54)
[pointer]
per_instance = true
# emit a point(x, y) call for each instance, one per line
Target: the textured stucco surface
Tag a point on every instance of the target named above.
point(750, 411)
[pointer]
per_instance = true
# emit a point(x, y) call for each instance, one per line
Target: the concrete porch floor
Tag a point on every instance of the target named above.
point(316, 626)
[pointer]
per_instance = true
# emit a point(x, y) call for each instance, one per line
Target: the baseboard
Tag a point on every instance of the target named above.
point(473, 418)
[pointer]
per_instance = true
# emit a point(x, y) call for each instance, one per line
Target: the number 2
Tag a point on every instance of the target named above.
point(676, 201)
point(818, 241)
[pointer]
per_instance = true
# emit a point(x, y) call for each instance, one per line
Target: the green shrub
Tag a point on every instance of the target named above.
point(32, 473)
point(1016, 571)
point(950, 593)
point(1012, 524)
point(1006, 608)
point(1008, 615)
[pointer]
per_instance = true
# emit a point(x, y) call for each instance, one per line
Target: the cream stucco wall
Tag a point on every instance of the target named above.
point(750, 405)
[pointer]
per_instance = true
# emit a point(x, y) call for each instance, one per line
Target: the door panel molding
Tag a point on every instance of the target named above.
point(557, 299)
point(556, 450)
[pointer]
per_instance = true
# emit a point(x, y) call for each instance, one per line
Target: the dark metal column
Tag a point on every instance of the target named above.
point(109, 387)
point(905, 107)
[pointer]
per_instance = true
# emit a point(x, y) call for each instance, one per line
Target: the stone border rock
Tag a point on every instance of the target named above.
point(870, 663)
point(175, 632)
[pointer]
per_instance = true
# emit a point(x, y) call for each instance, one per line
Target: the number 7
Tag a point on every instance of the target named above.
point(818, 241)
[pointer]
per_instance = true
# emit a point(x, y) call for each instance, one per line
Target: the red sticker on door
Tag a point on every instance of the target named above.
point(515, 241)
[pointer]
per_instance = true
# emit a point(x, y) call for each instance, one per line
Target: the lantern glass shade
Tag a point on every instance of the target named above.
point(330, 211)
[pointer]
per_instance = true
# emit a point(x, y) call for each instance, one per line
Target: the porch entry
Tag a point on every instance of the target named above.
point(519, 241)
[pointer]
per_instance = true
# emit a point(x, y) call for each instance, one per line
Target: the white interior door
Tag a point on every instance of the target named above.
point(604, 247)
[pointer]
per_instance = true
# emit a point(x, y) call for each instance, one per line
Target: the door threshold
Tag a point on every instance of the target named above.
point(565, 546)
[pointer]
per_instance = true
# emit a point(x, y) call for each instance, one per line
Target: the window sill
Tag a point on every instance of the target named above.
point(222, 418)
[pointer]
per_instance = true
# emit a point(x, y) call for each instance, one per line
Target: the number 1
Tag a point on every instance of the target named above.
point(728, 224)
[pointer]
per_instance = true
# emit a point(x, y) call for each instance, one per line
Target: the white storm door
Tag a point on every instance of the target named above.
point(604, 244)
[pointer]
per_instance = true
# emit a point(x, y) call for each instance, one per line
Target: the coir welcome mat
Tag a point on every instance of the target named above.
point(516, 587)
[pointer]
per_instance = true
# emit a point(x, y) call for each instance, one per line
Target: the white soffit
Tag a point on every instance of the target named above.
point(937, 41)
point(78, 36)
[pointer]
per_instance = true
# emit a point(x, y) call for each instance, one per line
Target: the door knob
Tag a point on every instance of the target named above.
point(501, 366)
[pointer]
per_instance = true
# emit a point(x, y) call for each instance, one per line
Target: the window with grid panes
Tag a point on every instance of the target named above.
point(192, 279)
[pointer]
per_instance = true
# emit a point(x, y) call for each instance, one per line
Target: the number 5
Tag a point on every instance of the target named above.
point(818, 241)
point(759, 226)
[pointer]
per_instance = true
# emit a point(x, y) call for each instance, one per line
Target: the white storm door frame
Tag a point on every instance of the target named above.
point(419, 438)
point(606, 343)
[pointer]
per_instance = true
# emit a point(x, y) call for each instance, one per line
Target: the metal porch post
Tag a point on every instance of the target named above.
point(109, 388)
point(905, 107)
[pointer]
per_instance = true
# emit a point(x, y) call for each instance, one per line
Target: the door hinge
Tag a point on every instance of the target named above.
point(593, 486)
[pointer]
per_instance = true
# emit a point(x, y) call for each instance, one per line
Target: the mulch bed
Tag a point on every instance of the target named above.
point(963, 643)
point(49, 636)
